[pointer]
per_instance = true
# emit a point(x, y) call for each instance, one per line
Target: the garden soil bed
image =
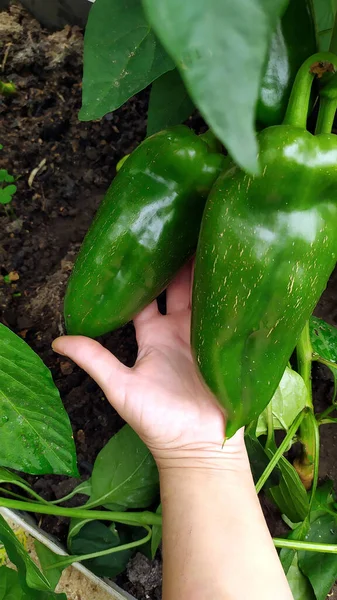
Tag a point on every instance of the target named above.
point(64, 166)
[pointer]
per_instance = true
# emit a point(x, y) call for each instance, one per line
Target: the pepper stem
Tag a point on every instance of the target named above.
point(305, 465)
point(327, 107)
point(298, 106)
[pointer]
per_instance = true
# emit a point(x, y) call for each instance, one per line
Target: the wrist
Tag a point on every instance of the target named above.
point(228, 456)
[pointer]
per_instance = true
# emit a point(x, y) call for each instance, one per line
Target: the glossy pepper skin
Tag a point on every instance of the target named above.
point(144, 231)
point(266, 249)
point(292, 42)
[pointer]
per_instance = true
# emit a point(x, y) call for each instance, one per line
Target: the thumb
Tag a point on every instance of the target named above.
point(108, 372)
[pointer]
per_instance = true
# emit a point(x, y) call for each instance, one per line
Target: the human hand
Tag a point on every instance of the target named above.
point(163, 397)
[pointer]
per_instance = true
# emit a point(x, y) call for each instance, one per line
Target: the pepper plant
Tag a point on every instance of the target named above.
point(7, 186)
point(266, 248)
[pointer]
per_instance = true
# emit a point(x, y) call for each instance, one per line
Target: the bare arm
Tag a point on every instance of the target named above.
point(216, 543)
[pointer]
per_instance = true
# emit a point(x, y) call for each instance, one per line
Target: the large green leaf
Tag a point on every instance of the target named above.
point(299, 584)
point(169, 104)
point(287, 554)
point(259, 461)
point(320, 568)
point(10, 587)
point(121, 56)
point(287, 402)
point(324, 11)
point(124, 474)
point(95, 536)
point(289, 495)
point(157, 533)
point(47, 558)
point(35, 431)
point(29, 574)
point(220, 48)
point(323, 503)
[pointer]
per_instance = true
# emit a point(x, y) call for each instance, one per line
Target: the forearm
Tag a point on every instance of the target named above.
point(216, 543)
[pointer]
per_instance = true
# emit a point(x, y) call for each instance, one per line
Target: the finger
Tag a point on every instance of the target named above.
point(108, 372)
point(147, 314)
point(178, 293)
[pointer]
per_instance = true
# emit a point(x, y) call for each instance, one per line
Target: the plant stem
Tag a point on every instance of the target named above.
point(327, 106)
point(280, 450)
point(326, 115)
point(71, 559)
point(305, 465)
point(270, 426)
point(298, 106)
point(304, 360)
point(26, 488)
point(325, 414)
point(327, 421)
point(12, 494)
point(307, 546)
point(315, 428)
point(128, 518)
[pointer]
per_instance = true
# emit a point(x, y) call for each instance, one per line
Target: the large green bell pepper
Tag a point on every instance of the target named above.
point(145, 230)
point(266, 249)
point(292, 42)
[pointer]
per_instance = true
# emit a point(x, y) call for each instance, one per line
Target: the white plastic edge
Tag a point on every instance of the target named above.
point(112, 589)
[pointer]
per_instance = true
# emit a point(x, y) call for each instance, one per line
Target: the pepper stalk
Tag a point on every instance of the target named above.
point(305, 465)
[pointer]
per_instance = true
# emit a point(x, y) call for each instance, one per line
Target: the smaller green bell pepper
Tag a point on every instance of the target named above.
point(144, 231)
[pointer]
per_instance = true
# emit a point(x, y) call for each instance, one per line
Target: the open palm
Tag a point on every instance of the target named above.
point(162, 397)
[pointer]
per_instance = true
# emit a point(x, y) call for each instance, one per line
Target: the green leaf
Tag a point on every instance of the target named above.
point(259, 461)
point(74, 528)
point(157, 534)
point(324, 11)
point(323, 339)
point(94, 537)
point(46, 558)
point(220, 50)
point(287, 402)
point(169, 103)
point(5, 176)
point(290, 495)
point(13, 478)
point(287, 555)
point(29, 574)
point(124, 473)
point(300, 586)
point(36, 435)
point(10, 588)
point(323, 500)
point(7, 193)
point(121, 56)
point(321, 569)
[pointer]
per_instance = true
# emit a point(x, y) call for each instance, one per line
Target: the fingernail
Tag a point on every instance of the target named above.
point(53, 345)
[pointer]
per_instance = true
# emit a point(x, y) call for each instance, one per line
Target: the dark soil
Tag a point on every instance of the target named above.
point(64, 166)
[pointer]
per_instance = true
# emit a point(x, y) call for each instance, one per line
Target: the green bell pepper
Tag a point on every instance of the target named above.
point(267, 247)
point(145, 230)
point(292, 42)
